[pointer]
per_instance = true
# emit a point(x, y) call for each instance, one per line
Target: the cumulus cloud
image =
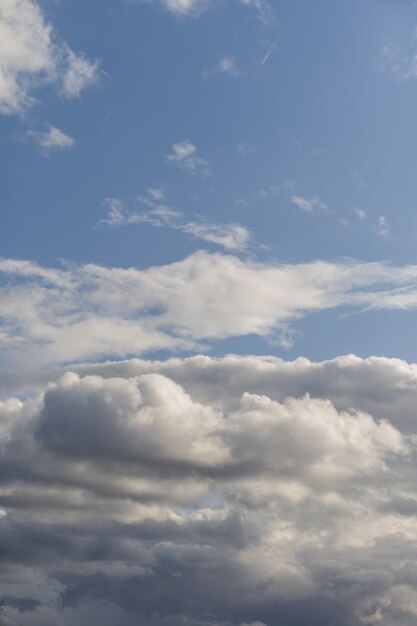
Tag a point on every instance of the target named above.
point(184, 155)
point(82, 312)
point(30, 57)
point(229, 236)
point(212, 492)
point(53, 139)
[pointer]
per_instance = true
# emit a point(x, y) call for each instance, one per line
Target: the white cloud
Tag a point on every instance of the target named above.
point(263, 9)
point(156, 193)
point(229, 236)
point(53, 139)
point(378, 225)
point(360, 214)
point(400, 61)
point(185, 7)
point(228, 65)
point(194, 8)
point(84, 311)
point(160, 489)
point(383, 228)
point(30, 57)
point(310, 205)
point(79, 74)
point(184, 155)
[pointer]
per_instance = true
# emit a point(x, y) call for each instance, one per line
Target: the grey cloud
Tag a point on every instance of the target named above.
point(118, 491)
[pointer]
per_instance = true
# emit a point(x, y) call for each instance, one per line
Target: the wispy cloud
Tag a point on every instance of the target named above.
point(383, 228)
point(79, 74)
point(184, 155)
point(31, 55)
point(263, 9)
point(400, 60)
point(310, 205)
point(376, 223)
point(83, 312)
point(194, 8)
point(360, 214)
point(53, 139)
point(229, 236)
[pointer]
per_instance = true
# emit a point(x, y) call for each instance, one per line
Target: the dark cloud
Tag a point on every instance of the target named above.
point(212, 492)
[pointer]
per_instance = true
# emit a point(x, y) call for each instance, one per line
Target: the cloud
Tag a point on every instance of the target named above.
point(184, 155)
point(400, 61)
point(380, 223)
point(229, 236)
point(82, 312)
point(212, 492)
point(263, 9)
point(53, 139)
point(360, 214)
point(194, 8)
point(310, 205)
point(383, 228)
point(79, 74)
point(226, 65)
point(30, 57)
point(185, 7)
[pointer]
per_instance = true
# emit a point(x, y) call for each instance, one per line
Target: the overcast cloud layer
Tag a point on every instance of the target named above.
point(204, 491)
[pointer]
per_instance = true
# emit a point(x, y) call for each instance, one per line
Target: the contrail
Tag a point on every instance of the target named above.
point(269, 52)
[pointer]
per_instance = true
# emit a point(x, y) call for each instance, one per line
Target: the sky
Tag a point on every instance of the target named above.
point(208, 301)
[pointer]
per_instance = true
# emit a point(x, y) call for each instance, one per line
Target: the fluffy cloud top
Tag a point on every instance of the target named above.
point(231, 497)
point(31, 57)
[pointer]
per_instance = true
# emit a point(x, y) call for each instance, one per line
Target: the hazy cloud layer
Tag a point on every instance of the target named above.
point(81, 312)
point(231, 497)
point(31, 56)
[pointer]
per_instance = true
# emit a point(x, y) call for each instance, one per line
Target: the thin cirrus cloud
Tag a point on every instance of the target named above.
point(91, 311)
point(184, 155)
point(53, 139)
point(145, 491)
point(30, 57)
point(228, 236)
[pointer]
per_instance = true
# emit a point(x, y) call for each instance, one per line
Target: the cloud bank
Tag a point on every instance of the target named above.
point(83, 312)
point(215, 492)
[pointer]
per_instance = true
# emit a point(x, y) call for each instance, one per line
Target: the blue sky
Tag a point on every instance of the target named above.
point(208, 301)
point(312, 151)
